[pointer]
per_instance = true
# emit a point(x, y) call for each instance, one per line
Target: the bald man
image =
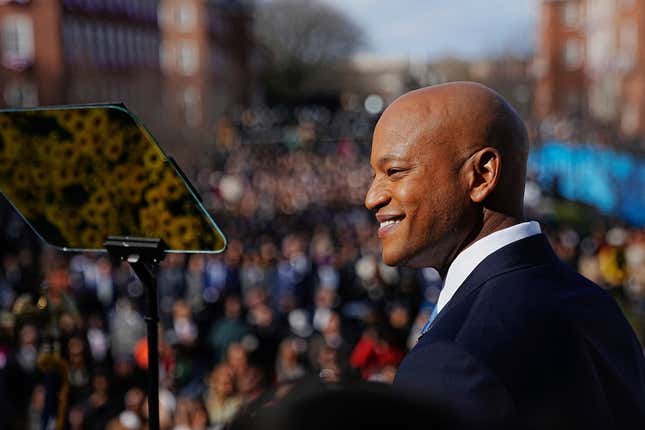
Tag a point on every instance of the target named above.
point(516, 336)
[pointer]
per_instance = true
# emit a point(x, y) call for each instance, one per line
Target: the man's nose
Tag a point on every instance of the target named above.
point(376, 196)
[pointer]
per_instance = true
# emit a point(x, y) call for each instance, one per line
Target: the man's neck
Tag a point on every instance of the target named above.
point(495, 221)
point(491, 222)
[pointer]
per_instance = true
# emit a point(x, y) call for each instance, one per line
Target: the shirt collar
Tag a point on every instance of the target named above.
point(469, 258)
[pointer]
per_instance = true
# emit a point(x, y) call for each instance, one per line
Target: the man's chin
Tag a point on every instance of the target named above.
point(401, 260)
point(393, 259)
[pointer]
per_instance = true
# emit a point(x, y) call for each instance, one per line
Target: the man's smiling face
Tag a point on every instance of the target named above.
point(418, 194)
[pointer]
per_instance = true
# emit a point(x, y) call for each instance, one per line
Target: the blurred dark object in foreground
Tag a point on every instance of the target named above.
point(314, 405)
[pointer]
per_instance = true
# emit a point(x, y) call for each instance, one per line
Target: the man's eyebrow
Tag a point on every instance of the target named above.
point(389, 157)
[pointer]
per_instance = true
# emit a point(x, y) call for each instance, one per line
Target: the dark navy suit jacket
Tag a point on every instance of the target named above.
point(526, 340)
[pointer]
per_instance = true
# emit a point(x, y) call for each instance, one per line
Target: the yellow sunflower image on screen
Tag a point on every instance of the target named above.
point(79, 174)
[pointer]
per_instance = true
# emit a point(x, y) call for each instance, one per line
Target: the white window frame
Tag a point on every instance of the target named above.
point(17, 36)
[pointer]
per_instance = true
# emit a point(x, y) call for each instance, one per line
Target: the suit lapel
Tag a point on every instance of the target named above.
point(532, 251)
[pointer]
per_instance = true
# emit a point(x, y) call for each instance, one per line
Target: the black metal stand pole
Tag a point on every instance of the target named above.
point(148, 279)
point(144, 255)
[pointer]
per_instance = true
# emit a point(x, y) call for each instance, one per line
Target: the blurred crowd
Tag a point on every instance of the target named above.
point(299, 294)
point(580, 128)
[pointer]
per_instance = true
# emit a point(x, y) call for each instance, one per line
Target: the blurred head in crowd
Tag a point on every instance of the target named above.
point(288, 367)
point(449, 163)
point(184, 328)
point(58, 279)
point(232, 307)
point(261, 316)
point(237, 359)
point(288, 351)
point(330, 370)
point(134, 399)
point(234, 252)
point(221, 399)
point(196, 263)
point(399, 316)
point(251, 384)
point(191, 414)
point(255, 296)
point(76, 351)
point(27, 352)
point(325, 297)
point(100, 381)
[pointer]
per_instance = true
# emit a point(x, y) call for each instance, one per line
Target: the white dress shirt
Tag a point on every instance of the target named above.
point(469, 258)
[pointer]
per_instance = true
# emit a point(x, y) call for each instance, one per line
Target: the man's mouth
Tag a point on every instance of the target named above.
point(387, 225)
point(389, 222)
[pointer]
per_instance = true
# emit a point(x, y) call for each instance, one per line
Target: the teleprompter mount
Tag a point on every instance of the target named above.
point(144, 255)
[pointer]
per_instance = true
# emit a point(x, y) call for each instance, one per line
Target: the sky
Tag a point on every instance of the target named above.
point(429, 29)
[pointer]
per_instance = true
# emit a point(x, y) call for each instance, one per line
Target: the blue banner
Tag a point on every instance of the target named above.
point(612, 181)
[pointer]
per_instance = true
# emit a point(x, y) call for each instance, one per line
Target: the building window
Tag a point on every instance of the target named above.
point(21, 94)
point(539, 68)
point(571, 14)
point(191, 104)
point(166, 57)
point(572, 54)
point(629, 119)
point(603, 97)
point(187, 58)
point(17, 42)
point(627, 45)
point(185, 17)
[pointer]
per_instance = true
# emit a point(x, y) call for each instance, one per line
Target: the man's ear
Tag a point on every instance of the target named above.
point(485, 168)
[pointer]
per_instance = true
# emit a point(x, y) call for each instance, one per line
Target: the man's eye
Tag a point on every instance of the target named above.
point(393, 171)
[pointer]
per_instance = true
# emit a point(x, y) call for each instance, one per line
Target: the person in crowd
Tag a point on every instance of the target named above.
point(221, 400)
point(79, 366)
point(288, 366)
point(191, 414)
point(227, 329)
point(126, 327)
point(182, 338)
point(516, 336)
point(373, 353)
point(237, 357)
point(133, 415)
point(252, 387)
point(328, 351)
point(101, 406)
point(35, 409)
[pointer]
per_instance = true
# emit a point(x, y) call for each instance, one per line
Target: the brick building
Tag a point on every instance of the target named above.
point(590, 62)
point(205, 56)
point(178, 64)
